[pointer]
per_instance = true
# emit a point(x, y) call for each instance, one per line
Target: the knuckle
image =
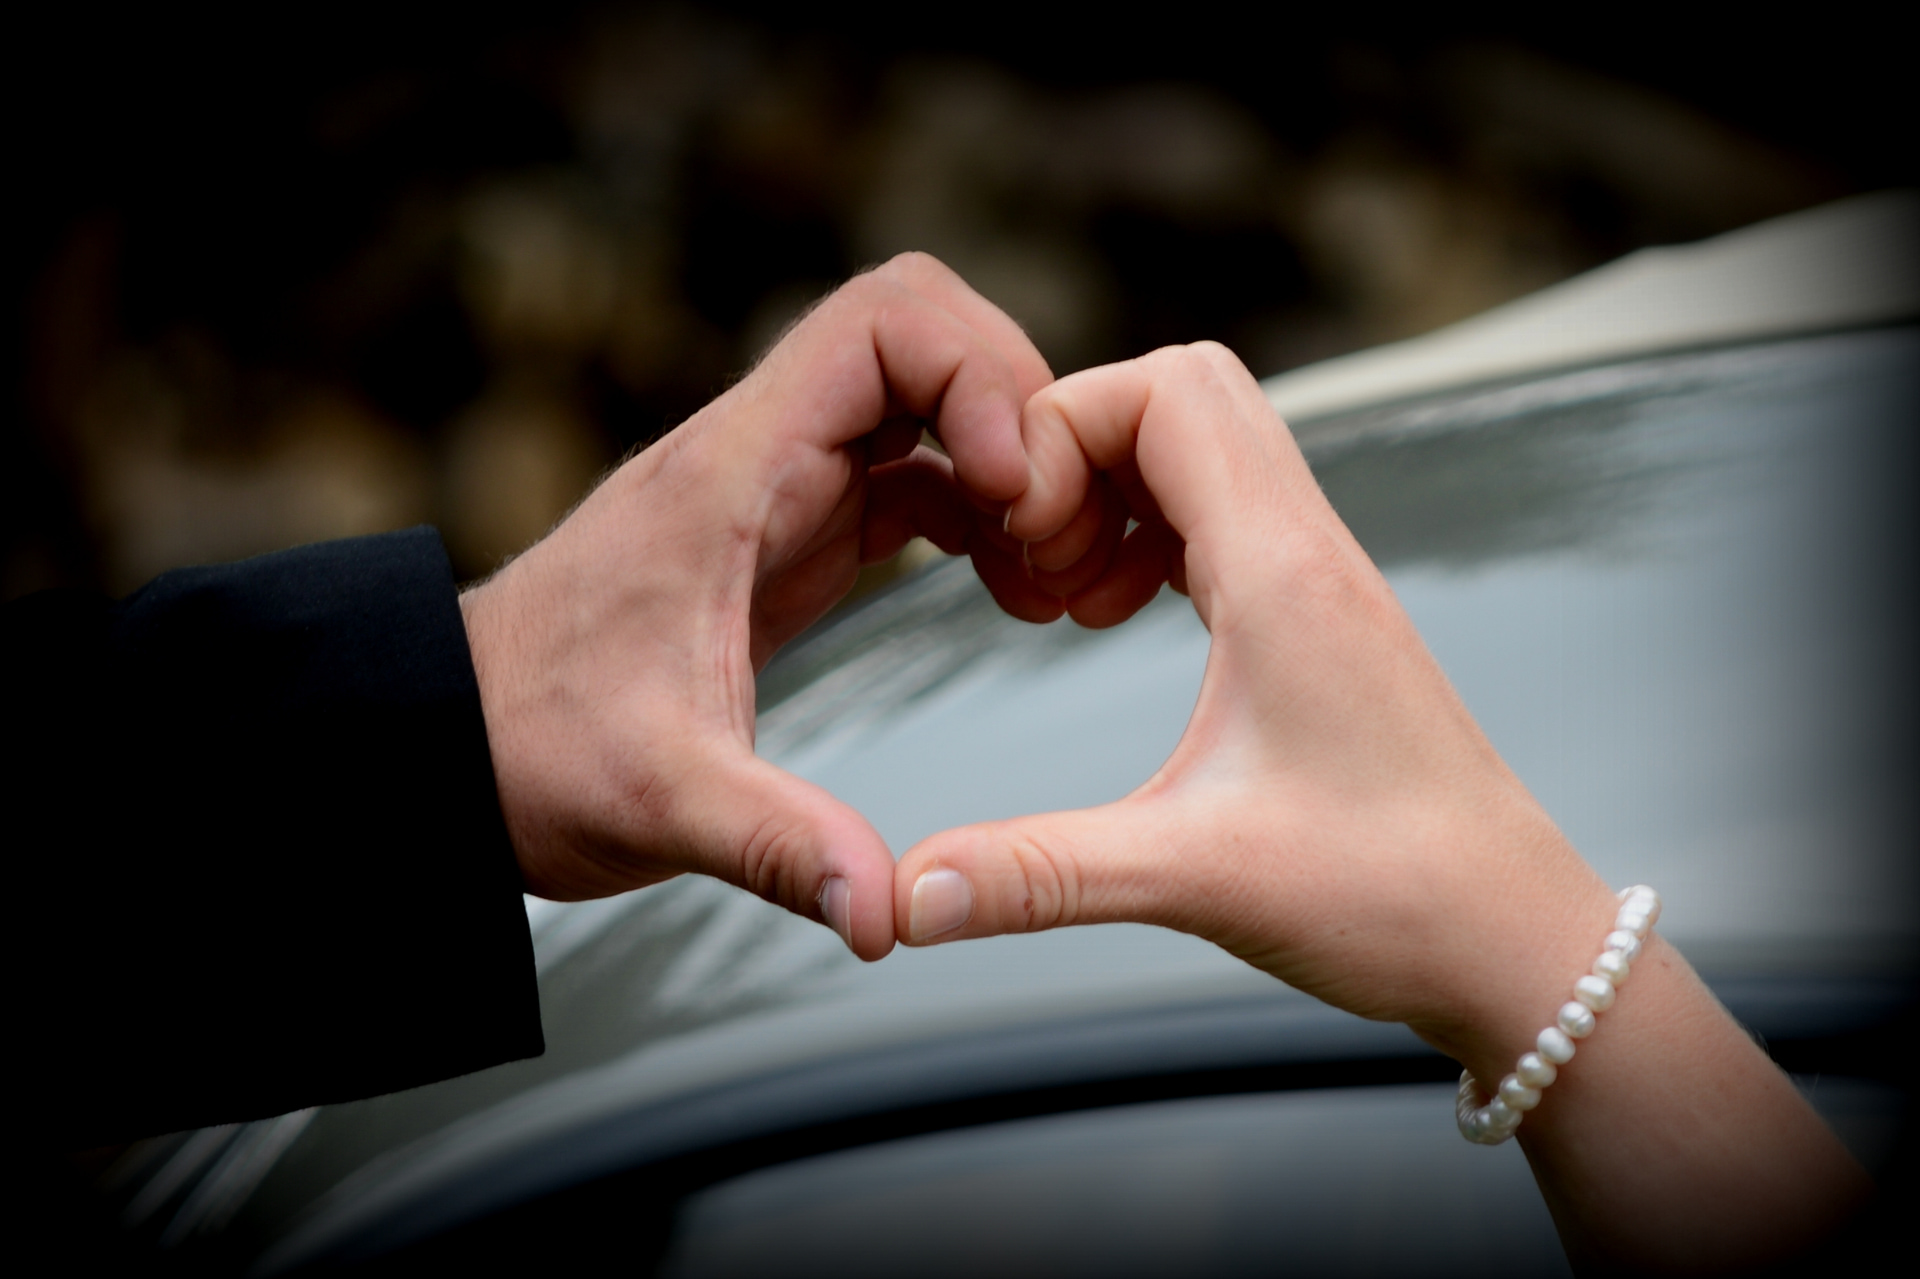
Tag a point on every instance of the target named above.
point(866, 288)
point(1049, 884)
point(1194, 363)
point(1317, 568)
point(768, 861)
point(915, 264)
point(1214, 363)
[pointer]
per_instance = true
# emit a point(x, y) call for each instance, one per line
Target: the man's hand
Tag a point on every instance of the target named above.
point(616, 658)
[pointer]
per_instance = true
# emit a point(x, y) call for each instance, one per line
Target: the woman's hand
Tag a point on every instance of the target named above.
point(1334, 816)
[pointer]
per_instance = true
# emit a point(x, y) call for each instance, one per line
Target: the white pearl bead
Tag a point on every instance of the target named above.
point(1613, 966)
point(1595, 992)
point(1500, 1115)
point(1632, 921)
point(1536, 1071)
point(1478, 1129)
point(1517, 1095)
point(1555, 1045)
point(1644, 900)
point(1470, 1097)
point(1626, 943)
point(1576, 1019)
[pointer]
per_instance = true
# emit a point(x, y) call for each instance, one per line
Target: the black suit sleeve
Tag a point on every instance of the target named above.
point(258, 852)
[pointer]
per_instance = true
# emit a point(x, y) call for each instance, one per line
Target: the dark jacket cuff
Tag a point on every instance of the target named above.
point(265, 851)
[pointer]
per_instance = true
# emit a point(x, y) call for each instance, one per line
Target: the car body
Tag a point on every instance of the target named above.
point(1663, 560)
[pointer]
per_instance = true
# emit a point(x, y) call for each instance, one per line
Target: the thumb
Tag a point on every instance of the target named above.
point(1088, 866)
point(795, 845)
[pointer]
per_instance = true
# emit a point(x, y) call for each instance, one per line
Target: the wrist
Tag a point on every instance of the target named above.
point(520, 742)
point(1522, 944)
point(484, 642)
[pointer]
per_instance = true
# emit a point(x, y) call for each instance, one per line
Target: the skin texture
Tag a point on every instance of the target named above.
point(1334, 816)
point(616, 658)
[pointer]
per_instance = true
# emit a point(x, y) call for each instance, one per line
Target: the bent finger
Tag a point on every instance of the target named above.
point(926, 274)
point(1009, 579)
point(1206, 443)
point(1097, 559)
point(914, 497)
point(1084, 422)
point(1071, 544)
point(878, 348)
point(1143, 562)
point(941, 369)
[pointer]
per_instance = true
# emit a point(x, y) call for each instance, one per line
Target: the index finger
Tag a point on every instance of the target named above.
point(880, 344)
point(1191, 418)
point(929, 276)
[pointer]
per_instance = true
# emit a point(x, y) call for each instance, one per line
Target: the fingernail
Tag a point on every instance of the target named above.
point(836, 907)
point(942, 902)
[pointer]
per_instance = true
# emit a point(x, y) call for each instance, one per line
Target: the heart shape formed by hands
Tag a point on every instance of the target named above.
point(1324, 789)
point(1332, 814)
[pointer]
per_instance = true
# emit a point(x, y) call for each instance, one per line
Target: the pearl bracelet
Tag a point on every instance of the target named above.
point(1490, 1123)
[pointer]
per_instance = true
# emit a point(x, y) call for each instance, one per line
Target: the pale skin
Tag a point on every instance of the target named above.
point(1333, 814)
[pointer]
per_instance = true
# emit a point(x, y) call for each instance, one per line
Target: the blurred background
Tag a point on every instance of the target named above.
point(333, 270)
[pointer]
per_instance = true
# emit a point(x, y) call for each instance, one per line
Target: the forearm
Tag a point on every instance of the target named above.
point(1677, 1145)
point(1670, 1142)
